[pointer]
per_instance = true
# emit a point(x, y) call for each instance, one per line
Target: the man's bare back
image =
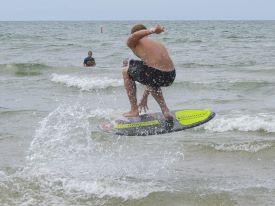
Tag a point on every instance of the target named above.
point(154, 54)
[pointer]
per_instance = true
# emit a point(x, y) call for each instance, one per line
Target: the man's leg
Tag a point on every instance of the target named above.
point(158, 96)
point(130, 87)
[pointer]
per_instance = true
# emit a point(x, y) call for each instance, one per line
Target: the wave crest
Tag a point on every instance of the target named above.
point(251, 147)
point(23, 69)
point(86, 83)
point(245, 123)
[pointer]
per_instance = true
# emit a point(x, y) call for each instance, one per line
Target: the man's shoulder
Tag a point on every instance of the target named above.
point(89, 58)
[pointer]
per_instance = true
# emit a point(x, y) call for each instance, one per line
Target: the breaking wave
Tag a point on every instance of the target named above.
point(86, 83)
point(243, 122)
point(23, 69)
point(251, 147)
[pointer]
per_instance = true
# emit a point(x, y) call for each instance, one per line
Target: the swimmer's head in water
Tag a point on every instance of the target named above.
point(137, 27)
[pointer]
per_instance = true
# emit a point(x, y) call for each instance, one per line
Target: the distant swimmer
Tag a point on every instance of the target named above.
point(155, 70)
point(89, 61)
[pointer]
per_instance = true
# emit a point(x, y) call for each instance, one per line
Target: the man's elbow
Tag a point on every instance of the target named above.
point(131, 43)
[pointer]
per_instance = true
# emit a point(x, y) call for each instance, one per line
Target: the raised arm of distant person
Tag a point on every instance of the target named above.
point(135, 37)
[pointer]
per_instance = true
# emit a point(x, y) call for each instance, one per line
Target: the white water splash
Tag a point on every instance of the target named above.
point(64, 152)
point(3, 177)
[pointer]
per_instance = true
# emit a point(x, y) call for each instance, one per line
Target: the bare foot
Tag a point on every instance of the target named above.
point(131, 114)
point(169, 119)
point(168, 116)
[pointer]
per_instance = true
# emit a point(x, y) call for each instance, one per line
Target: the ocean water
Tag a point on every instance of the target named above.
point(52, 152)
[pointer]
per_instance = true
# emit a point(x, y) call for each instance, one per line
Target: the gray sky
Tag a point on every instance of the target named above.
point(137, 9)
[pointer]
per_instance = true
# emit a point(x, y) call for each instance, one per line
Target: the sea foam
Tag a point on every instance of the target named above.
point(86, 83)
point(251, 147)
point(243, 122)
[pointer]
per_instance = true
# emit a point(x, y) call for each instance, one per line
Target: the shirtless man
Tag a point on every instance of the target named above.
point(89, 61)
point(155, 70)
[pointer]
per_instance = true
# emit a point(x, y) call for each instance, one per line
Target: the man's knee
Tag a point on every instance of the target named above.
point(153, 89)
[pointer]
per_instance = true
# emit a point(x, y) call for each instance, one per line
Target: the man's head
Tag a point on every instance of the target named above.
point(90, 53)
point(137, 27)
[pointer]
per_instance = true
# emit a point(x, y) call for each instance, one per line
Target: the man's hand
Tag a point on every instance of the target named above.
point(158, 29)
point(143, 104)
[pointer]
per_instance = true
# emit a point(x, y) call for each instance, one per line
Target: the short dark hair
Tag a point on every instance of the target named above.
point(138, 27)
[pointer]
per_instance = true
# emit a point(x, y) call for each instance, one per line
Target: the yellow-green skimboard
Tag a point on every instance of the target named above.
point(154, 123)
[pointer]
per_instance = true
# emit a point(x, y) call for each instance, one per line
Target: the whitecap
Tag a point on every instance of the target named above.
point(86, 83)
point(243, 122)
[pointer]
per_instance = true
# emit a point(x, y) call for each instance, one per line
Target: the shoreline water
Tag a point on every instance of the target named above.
point(52, 153)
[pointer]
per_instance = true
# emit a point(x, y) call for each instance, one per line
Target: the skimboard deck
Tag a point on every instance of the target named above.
point(154, 123)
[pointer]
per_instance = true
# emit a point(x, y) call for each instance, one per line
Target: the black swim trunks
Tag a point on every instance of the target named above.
point(150, 76)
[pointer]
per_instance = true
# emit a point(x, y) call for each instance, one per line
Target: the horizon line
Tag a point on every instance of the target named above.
point(51, 20)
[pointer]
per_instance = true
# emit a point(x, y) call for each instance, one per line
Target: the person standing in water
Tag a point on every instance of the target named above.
point(155, 70)
point(89, 61)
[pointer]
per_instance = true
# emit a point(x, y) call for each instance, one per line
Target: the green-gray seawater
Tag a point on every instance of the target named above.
point(52, 152)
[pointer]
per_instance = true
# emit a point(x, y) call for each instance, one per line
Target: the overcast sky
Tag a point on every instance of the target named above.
point(137, 9)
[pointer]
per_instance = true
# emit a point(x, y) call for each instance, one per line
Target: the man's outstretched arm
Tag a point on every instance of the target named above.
point(135, 37)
